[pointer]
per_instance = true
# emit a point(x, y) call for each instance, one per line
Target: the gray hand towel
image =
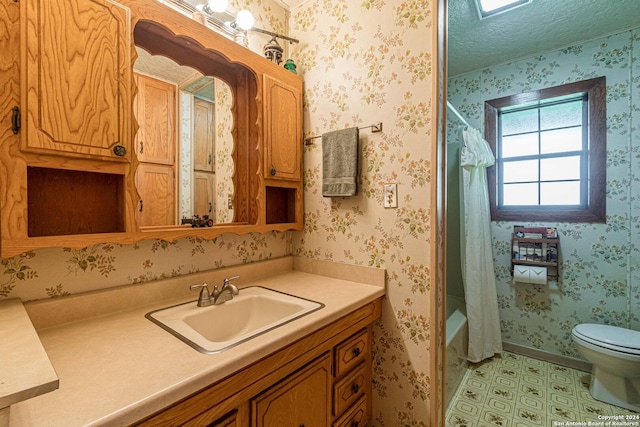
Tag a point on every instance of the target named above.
point(340, 163)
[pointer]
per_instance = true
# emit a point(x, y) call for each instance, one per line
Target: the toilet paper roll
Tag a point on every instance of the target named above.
point(521, 273)
point(538, 275)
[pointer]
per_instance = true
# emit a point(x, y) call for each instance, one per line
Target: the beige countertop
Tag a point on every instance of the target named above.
point(22, 350)
point(119, 367)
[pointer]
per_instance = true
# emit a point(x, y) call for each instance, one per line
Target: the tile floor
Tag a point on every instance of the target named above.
point(518, 391)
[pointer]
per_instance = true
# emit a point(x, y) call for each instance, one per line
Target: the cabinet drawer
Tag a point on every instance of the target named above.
point(350, 352)
point(354, 417)
point(350, 388)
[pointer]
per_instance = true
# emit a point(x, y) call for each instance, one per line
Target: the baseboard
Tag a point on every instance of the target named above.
point(558, 359)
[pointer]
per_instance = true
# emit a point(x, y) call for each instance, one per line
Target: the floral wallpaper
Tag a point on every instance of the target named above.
point(600, 275)
point(365, 62)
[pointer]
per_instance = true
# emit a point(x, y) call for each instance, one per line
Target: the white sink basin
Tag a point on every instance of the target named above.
point(218, 327)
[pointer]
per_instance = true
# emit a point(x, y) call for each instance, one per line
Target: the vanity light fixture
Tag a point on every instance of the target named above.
point(236, 25)
point(488, 8)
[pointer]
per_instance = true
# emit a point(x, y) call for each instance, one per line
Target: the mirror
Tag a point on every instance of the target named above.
point(242, 82)
point(191, 115)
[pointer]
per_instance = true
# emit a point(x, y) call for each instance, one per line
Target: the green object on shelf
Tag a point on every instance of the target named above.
point(290, 65)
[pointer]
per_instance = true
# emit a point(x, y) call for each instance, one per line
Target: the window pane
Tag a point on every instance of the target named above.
point(561, 115)
point(560, 193)
point(561, 140)
point(560, 168)
point(521, 171)
point(520, 194)
point(520, 145)
point(519, 122)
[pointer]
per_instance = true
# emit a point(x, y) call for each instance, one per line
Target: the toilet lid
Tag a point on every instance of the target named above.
point(608, 336)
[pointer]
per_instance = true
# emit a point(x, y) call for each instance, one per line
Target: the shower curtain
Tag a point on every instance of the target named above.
point(477, 259)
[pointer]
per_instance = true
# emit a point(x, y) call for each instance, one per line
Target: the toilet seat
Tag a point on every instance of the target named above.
point(610, 337)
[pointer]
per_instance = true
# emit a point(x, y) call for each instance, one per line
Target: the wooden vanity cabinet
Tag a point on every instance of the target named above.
point(303, 398)
point(321, 380)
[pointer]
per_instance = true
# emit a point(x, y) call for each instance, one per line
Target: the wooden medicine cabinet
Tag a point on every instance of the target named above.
point(73, 137)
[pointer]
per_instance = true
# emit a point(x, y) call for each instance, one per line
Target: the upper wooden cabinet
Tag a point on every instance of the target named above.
point(282, 129)
point(71, 84)
point(77, 78)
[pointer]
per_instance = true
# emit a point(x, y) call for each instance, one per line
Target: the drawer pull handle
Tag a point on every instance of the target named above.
point(273, 171)
point(16, 120)
point(355, 388)
point(355, 424)
point(356, 351)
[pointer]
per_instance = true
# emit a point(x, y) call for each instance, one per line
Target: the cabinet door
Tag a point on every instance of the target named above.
point(203, 135)
point(156, 115)
point(156, 187)
point(282, 129)
point(203, 203)
point(301, 399)
point(77, 78)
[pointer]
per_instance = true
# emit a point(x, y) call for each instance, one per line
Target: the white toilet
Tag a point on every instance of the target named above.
point(615, 355)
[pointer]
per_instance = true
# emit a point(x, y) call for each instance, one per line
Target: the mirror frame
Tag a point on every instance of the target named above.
point(157, 39)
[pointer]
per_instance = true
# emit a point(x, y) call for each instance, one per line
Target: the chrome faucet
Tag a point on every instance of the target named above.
point(217, 297)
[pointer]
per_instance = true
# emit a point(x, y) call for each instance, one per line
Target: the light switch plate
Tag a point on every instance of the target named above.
point(390, 195)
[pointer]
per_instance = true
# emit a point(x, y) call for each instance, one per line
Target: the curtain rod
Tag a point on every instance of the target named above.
point(457, 114)
point(377, 127)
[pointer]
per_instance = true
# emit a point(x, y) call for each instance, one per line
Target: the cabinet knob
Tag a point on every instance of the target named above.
point(357, 351)
point(355, 388)
point(355, 424)
point(272, 171)
point(120, 150)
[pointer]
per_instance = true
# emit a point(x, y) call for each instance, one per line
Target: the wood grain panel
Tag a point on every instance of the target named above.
point(156, 114)
point(300, 400)
point(77, 77)
point(203, 135)
point(282, 129)
point(156, 186)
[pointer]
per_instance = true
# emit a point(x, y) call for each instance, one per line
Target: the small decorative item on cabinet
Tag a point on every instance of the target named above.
point(273, 51)
point(198, 221)
point(536, 246)
point(291, 66)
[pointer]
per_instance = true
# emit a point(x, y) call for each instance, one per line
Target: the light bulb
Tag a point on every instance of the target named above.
point(218, 6)
point(245, 19)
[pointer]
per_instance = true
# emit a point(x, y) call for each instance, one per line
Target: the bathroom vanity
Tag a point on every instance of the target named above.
point(116, 367)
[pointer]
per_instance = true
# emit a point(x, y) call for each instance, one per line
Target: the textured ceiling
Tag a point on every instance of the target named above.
point(537, 27)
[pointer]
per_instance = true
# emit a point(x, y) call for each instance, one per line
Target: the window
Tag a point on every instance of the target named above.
point(488, 8)
point(550, 148)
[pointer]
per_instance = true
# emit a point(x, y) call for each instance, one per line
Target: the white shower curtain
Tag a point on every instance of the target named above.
point(477, 259)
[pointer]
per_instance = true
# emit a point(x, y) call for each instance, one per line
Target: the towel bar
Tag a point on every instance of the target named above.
point(377, 127)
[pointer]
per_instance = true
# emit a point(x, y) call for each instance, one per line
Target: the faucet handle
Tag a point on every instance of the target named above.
point(228, 279)
point(205, 298)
